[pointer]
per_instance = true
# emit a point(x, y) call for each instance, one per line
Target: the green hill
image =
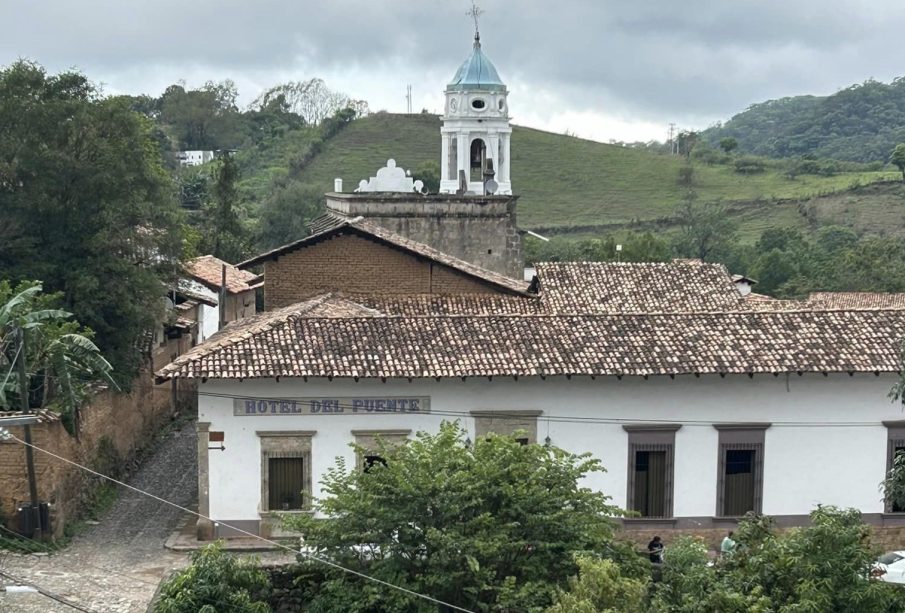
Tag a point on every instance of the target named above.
point(571, 185)
point(860, 123)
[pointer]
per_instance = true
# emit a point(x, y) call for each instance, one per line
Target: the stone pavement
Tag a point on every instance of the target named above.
point(116, 566)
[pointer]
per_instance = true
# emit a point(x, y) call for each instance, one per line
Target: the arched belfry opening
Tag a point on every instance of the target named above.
point(478, 159)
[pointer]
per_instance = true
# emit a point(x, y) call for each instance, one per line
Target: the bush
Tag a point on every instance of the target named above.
point(823, 567)
point(749, 165)
point(599, 586)
point(216, 581)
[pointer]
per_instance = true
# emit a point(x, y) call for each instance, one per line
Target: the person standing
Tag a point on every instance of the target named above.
point(655, 550)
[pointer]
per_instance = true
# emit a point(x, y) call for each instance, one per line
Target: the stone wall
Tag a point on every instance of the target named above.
point(478, 229)
point(356, 265)
point(115, 426)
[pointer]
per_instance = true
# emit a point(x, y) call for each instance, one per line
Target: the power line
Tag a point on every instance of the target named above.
point(44, 547)
point(564, 418)
point(240, 530)
point(502, 414)
point(47, 549)
point(48, 593)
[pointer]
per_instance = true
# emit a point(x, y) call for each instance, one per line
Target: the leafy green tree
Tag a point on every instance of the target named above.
point(893, 486)
point(897, 158)
point(493, 525)
point(205, 118)
point(285, 213)
point(600, 586)
point(686, 142)
point(728, 144)
point(86, 206)
point(61, 358)
point(216, 581)
point(429, 172)
point(704, 228)
point(223, 233)
point(822, 567)
point(772, 269)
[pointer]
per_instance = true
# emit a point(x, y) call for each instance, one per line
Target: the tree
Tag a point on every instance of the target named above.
point(429, 173)
point(223, 233)
point(897, 158)
point(822, 567)
point(893, 486)
point(86, 206)
point(728, 144)
point(704, 228)
point(311, 100)
point(493, 525)
point(216, 581)
point(61, 359)
point(285, 213)
point(600, 586)
point(686, 141)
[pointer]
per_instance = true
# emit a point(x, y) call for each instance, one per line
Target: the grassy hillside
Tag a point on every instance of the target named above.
point(572, 185)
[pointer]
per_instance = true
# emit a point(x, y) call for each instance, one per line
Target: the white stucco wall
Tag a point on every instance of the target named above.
point(803, 465)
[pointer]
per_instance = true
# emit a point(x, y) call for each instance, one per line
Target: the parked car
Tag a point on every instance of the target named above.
point(890, 567)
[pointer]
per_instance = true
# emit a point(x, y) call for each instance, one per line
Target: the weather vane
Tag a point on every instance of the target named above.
point(474, 13)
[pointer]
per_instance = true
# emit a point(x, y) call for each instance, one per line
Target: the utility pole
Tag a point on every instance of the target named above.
point(222, 298)
point(29, 452)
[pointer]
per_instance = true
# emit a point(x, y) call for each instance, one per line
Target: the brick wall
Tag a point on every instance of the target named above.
point(354, 265)
point(885, 538)
point(478, 229)
point(128, 421)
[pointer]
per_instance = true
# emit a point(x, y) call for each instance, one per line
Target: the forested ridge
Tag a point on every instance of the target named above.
point(862, 123)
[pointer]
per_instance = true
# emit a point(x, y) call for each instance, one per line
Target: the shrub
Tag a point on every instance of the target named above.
point(216, 581)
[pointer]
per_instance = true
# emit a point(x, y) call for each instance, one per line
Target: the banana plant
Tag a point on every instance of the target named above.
point(59, 355)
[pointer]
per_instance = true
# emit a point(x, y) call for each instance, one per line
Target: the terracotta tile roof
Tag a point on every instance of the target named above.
point(207, 270)
point(423, 305)
point(857, 300)
point(295, 343)
point(325, 222)
point(360, 226)
point(629, 287)
point(42, 415)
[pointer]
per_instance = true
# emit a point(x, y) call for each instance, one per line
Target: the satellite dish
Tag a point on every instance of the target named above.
point(491, 186)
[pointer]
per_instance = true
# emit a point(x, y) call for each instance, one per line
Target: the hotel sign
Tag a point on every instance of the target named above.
point(368, 405)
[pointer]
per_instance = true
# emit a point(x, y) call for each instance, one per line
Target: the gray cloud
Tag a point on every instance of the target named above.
point(652, 61)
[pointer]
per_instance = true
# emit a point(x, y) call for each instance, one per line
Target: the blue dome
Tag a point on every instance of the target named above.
point(477, 72)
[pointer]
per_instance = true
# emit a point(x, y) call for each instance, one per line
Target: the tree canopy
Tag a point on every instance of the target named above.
point(492, 524)
point(860, 123)
point(86, 205)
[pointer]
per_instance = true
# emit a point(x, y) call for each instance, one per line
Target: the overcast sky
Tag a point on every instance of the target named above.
point(603, 69)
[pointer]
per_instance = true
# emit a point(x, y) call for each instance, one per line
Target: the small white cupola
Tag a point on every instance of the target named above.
point(475, 128)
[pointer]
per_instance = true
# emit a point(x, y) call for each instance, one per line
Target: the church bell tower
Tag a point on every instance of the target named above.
point(475, 129)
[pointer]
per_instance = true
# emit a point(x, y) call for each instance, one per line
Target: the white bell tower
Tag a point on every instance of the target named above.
point(475, 128)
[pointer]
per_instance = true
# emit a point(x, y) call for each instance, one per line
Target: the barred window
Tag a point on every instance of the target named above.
point(285, 470)
point(651, 451)
point(741, 468)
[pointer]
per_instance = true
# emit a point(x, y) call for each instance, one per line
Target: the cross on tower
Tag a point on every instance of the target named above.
point(474, 13)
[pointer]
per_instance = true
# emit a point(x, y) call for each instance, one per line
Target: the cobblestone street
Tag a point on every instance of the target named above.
point(116, 565)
